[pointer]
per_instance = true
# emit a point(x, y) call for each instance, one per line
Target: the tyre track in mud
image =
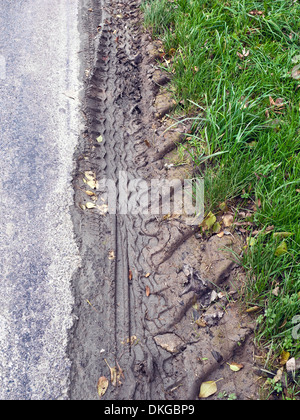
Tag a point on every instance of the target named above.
point(107, 298)
point(116, 322)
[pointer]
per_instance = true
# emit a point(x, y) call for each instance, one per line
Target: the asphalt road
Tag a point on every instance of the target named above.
point(39, 124)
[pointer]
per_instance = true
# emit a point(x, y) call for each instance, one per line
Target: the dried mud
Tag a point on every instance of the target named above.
point(146, 287)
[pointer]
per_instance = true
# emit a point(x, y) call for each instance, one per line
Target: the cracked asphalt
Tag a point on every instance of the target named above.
point(39, 121)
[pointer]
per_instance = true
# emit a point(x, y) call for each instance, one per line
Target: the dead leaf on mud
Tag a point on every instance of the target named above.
point(102, 386)
point(132, 341)
point(100, 139)
point(278, 376)
point(147, 291)
point(90, 179)
point(201, 323)
point(130, 275)
point(111, 255)
point(228, 220)
point(208, 389)
point(115, 374)
point(90, 193)
point(90, 205)
point(235, 367)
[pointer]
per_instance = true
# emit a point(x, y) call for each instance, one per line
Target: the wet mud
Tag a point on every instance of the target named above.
point(154, 301)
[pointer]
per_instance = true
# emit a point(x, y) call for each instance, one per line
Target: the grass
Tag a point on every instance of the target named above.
point(231, 63)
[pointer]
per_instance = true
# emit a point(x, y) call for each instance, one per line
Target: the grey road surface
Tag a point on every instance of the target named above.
point(39, 123)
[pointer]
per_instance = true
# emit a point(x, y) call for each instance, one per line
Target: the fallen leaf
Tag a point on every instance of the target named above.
point(281, 250)
point(90, 205)
point(251, 241)
point(227, 220)
point(216, 228)
point(90, 176)
point(209, 221)
point(111, 255)
point(271, 100)
point(200, 323)
point(279, 103)
point(103, 208)
point(256, 13)
point(223, 206)
point(278, 376)
point(284, 357)
point(296, 59)
point(147, 275)
point(276, 291)
point(296, 72)
point(102, 386)
point(282, 234)
point(245, 53)
point(100, 139)
point(291, 365)
point(207, 389)
point(130, 275)
point(221, 234)
point(235, 367)
point(90, 193)
point(253, 309)
point(92, 184)
point(147, 291)
point(113, 374)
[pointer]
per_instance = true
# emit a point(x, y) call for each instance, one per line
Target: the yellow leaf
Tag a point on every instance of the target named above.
point(100, 139)
point(281, 250)
point(90, 193)
point(90, 176)
point(282, 234)
point(90, 205)
point(207, 389)
point(284, 357)
point(92, 184)
point(102, 386)
point(209, 221)
point(216, 228)
point(253, 309)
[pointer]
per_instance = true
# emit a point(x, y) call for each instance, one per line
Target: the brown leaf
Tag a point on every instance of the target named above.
point(130, 275)
point(227, 220)
point(235, 367)
point(256, 13)
point(200, 323)
point(147, 291)
point(272, 102)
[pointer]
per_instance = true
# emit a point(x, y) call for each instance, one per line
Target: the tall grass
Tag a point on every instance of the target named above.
point(231, 61)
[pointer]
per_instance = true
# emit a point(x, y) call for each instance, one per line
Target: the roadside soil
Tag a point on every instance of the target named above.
point(156, 303)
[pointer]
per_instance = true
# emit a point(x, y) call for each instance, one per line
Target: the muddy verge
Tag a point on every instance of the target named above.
point(155, 309)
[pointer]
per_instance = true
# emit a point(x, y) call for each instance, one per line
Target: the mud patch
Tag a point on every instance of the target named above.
point(152, 299)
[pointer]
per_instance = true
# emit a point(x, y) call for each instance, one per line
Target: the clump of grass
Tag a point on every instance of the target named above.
point(232, 69)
